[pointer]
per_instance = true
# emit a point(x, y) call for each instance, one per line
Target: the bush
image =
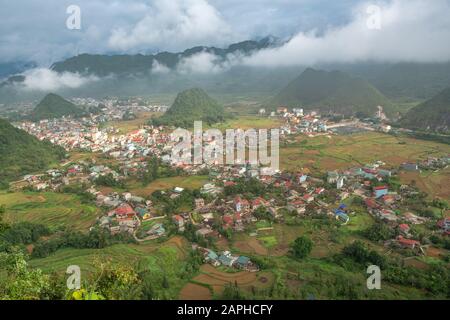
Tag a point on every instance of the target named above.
point(379, 231)
point(301, 247)
point(24, 233)
point(358, 252)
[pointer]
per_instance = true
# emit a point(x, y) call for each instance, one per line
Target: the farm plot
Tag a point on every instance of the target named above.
point(51, 209)
point(217, 280)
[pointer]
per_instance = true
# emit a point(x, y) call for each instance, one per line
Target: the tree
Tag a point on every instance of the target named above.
point(21, 283)
point(301, 247)
point(379, 231)
point(116, 281)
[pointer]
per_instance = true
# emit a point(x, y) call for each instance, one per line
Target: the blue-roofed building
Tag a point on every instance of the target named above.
point(212, 258)
point(243, 261)
point(212, 255)
point(302, 178)
point(342, 217)
point(226, 261)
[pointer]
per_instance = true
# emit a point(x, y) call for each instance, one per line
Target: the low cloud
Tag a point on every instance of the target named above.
point(203, 63)
point(410, 30)
point(171, 25)
point(159, 68)
point(43, 79)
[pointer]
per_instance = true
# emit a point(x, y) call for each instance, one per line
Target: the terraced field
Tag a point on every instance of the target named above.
point(216, 280)
point(151, 252)
point(52, 209)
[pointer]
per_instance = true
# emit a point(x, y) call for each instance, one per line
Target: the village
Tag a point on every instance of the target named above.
point(219, 207)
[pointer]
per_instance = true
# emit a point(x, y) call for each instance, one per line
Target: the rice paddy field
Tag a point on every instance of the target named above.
point(54, 210)
point(155, 255)
point(215, 280)
point(324, 153)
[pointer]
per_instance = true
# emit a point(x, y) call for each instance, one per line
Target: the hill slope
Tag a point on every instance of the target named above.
point(333, 91)
point(22, 153)
point(431, 115)
point(54, 106)
point(192, 105)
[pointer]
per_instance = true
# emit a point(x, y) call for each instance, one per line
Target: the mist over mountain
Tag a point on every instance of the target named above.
point(103, 65)
point(219, 71)
point(11, 68)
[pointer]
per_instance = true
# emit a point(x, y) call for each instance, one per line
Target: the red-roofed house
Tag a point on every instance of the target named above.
point(258, 202)
point(179, 221)
point(124, 210)
point(308, 198)
point(380, 191)
point(241, 204)
point(370, 203)
point(404, 228)
point(227, 221)
point(407, 243)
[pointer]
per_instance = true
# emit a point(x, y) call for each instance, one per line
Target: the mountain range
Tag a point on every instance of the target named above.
point(103, 65)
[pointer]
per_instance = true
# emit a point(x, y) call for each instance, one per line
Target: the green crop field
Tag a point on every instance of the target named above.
point(160, 259)
point(119, 253)
point(187, 182)
point(51, 209)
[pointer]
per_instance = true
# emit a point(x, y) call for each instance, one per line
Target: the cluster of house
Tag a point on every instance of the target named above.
point(125, 211)
point(431, 163)
point(302, 193)
point(84, 134)
point(296, 121)
point(227, 259)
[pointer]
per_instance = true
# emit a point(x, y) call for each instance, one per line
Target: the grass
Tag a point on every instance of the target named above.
point(433, 183)
point(54, 210)
point(248, 122)
point(269, 242)
point(159, 259)
point(127, 126)
point(119, 253)
point(187, 182)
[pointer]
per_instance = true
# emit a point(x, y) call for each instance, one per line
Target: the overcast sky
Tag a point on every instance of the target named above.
point(412, 30)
